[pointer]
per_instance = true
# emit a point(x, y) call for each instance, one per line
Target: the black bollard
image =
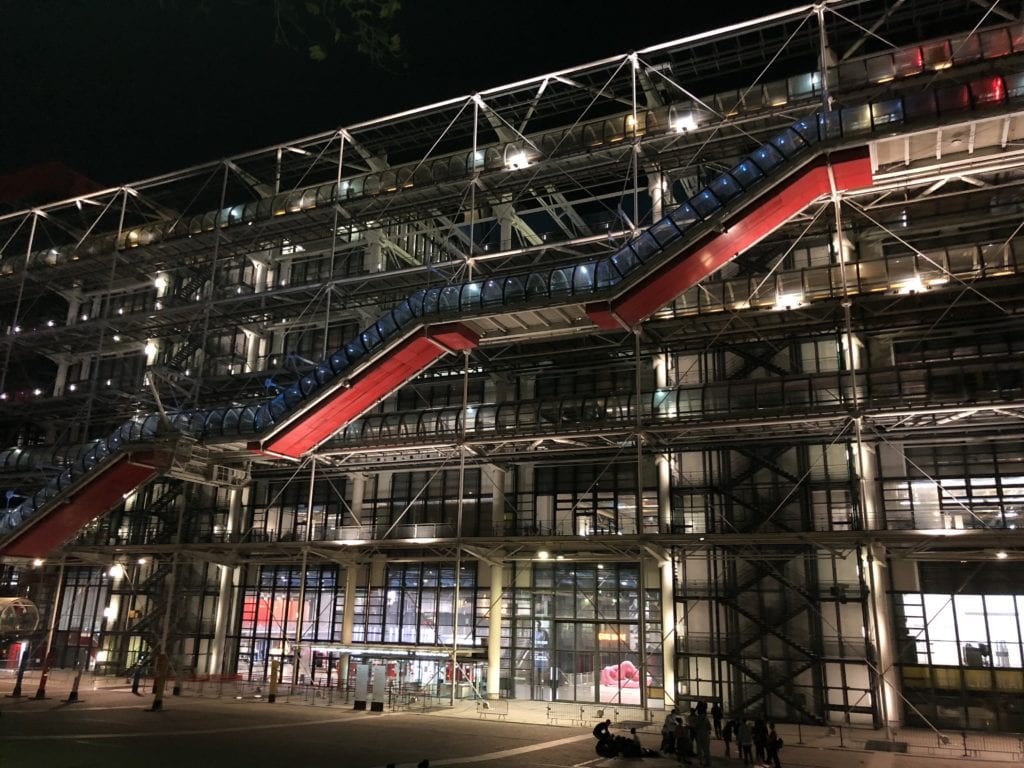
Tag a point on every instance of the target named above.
point(73, 696)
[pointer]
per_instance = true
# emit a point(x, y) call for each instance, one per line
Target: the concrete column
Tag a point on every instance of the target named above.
point(61, 378)
point(357, 489)
point(656, 189)
point(347, 617)
point(494, 633)
point(374, 258)
point(664, 460)
point(668, 632)
point(225, 593)
point(505, 214)
point(890, 696)
point(497, 477)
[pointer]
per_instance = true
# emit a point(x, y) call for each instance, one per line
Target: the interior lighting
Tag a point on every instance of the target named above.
point(543, 554)
point(684, 122)
point(150, 348)
point(1001, 555)
point(160, 282)
point(142, 561)
point(109, 612)
point(914, 285)
point(517, 160)
point(789, 301)
point(117, 337)
point(37, 563)
point(116, 571)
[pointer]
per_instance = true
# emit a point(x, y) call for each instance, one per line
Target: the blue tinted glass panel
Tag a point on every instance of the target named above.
point(416, 303)
point(561, 281)
point(323, 373)
point(788, 142)
point(767, 158)
point(747, 174)
point(583, 278)
point(536, 285)
point(625, 260)
point(339, 361)
point(449, 298)
point(292, 396)
point(808, 129)
point(705, 203)
point(403, 314)
point(491, 294)
point(645, 246)
point(430, 301)
point(665, 231)
point(354, 350)
point(607, 275)
point(387, 325)
point(684, 216)
point(830, 124)
point(371, 337)
point(725, 188)
point(471, 296)
point(515, 291)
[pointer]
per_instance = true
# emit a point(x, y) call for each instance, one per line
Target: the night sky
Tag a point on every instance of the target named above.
point(121, 90)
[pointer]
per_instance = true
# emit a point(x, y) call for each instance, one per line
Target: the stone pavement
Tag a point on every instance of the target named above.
point(807, 745)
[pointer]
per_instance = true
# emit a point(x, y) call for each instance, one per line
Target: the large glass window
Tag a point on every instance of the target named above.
point(961, 655)
point(420, 605)
point(274, 619)
point(585, 633)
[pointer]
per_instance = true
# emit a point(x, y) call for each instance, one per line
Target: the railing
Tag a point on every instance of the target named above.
point(579, 282)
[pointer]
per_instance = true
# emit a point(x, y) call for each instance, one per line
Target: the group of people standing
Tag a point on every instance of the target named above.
point(689, 736)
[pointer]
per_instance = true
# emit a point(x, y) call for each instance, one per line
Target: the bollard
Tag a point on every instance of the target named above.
point(272, 693)
point(178, 678)
point(158, 682)
point(41, 690)
point(16, 693)
point(73, 696)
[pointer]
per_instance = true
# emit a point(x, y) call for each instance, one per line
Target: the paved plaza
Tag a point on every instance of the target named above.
point(110, 726)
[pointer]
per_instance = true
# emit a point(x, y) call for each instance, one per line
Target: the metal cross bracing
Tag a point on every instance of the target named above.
point(321, 234)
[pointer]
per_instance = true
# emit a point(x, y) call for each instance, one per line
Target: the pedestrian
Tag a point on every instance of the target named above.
point(773, 747)
point(602, 731)
point(760, 734)
point(668, 732)
point(682, 737)
point(702, 735)
point(745, 741)
point(716, 718)
point(727, 733)
point(701, 708)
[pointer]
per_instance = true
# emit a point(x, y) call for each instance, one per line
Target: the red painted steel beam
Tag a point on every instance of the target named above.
point(849, 169)
point(370, 386)
point(103, 489)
